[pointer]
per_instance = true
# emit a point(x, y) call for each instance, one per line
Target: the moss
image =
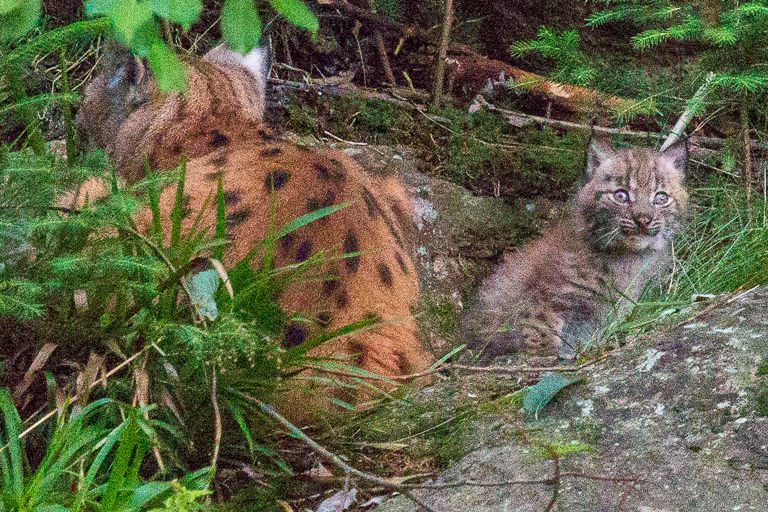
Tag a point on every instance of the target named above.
point(761, 397)
point(490, 156)
point(480, 151)
point(560, 450)
point(509, 402)
point(761, 402)
point(439, 316)
point(350, 117)
point(301, 118)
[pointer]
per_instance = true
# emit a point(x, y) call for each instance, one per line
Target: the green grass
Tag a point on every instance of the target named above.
point(141, 302)
point(721, 250)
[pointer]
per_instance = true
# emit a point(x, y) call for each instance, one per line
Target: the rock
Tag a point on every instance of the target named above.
point(677, 408)
point(459, 236)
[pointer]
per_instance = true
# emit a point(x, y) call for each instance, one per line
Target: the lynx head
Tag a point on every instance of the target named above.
point(221, 83)
point(635, 198)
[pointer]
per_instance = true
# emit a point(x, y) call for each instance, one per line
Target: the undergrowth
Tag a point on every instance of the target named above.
point(479, 151)
point(721, 250)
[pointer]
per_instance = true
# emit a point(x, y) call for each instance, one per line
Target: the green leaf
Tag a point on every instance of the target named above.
point(540, 394)
point(12, 467)
point(240, 25)
point(99, 7)
point(17, 21)
point(169, 72)
point(8, 5)
point(308, 218)
point(128, 16)
point(120, 465)
point(183, 12)
point(202, 291)
point(297, 13)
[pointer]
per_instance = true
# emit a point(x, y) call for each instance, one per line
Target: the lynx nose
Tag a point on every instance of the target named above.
point(642, 220)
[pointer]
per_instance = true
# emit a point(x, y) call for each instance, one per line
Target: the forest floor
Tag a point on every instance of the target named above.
point(673, 420)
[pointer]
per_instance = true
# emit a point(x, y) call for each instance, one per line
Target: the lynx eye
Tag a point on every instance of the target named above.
point(661, 199)
point(621, 196)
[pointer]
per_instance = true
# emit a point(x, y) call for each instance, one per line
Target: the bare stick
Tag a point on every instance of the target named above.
point(687, 114)
point(747, 153)
point(74, 397)
point(217, 423)
point(381, 47)
point(520, 119)
point(335, 459)
point(445, 39)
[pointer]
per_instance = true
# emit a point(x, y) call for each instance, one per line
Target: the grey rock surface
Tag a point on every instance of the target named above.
point(683, 409)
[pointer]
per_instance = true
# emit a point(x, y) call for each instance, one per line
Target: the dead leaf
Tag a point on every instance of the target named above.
point(37, 364)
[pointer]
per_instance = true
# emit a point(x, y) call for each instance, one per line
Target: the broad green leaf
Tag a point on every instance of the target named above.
point(297, 13)
point(202, 290)
point(120, 466)
point(128, 16)
point(240, 25)
point(100, 7)
point(141, 496)
point(20, 20)
point(183, 12)
point(169, 72)
point(540, 394)
point(8, 5)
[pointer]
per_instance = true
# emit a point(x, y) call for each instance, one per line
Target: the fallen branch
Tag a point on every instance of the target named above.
point(679, 129)
point(498, 370)
point(473, 72)
point(377, 21)
point(469, 67)
point(520, 119)
point(335, 459)
point(405, 489)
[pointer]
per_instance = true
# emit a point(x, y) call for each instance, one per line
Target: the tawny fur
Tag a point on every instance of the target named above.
point(215, 125)
point(560, 291)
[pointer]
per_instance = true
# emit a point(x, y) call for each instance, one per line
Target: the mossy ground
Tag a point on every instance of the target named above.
point(479, 151)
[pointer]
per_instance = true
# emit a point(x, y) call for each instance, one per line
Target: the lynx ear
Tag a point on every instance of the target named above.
point(126, 78)
point(678, 154)
point(258, 62)
point(121, 68)
point(600, 148)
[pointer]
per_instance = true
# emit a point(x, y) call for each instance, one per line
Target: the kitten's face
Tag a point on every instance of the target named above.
point(635, 198)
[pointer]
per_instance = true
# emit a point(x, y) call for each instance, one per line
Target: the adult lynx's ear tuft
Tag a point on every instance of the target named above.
point(258, 62)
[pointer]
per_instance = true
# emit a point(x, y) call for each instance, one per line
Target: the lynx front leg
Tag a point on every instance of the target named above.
point(542, 336)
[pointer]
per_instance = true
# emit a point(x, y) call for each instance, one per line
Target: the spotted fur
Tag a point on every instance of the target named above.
point(561, 290)
point(217, 128)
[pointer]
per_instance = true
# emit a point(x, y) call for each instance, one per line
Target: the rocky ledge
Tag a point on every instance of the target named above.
point(683, 410)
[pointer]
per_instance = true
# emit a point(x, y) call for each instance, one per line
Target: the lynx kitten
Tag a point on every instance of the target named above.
point(565, 287)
